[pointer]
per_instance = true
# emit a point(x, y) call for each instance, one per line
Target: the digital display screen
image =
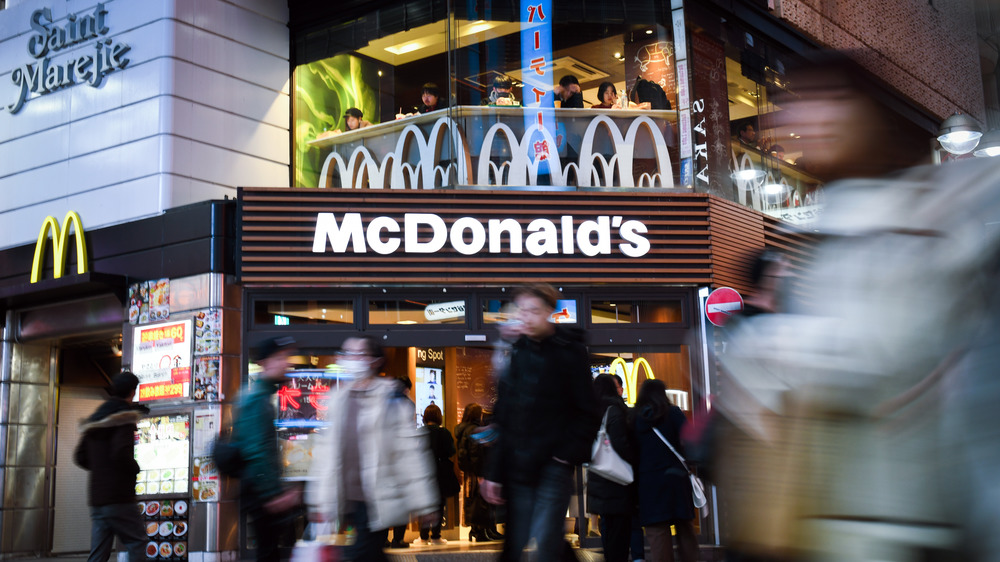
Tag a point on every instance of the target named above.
point(162, 449)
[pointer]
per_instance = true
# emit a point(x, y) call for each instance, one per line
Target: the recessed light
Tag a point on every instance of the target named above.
point(406, 322)
point(649, 32)
point(618, 55)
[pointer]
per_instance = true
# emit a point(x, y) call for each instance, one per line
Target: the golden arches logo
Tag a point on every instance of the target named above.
point(60, 241)
point(631, 376)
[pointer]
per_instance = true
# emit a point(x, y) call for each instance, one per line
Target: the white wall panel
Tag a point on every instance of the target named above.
point(202, 107)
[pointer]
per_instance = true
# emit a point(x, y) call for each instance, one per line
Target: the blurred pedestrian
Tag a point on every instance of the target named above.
point(372, 468)
point(399, 531)
point(266, 498)
point(612, 501)
point(479, 514)
point(662, 480)
point(107, 451)
point(546, 419)
point(442, 449)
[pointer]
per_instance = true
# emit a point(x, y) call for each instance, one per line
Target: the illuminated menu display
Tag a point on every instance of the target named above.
point(161, 358)
point(162, 451)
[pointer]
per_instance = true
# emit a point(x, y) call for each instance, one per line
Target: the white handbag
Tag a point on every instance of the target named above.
point(604, 461)
point(697, 488)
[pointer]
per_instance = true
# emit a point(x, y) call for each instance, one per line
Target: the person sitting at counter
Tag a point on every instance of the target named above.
point(568, 92)
point(501, 93)
point(355, 119)
point(431, 98)
point(647, 94)
point(608, 96)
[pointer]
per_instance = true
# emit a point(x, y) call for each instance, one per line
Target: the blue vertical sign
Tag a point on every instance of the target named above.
point(537, 70)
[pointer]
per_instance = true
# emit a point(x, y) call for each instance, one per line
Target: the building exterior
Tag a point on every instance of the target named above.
point(200, 199)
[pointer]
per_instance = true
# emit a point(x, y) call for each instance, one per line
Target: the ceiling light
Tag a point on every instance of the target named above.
point(649, 32)
point(989, 145)
point(748, 174)
point(406, 322)
point(479, 26)
point(959, 134)
point(618, 55)
point(774, 188)
point(404, 48)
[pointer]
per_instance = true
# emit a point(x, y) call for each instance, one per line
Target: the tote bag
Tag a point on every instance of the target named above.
point(604, 461)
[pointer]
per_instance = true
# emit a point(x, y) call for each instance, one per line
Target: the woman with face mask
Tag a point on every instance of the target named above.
point(372, 468)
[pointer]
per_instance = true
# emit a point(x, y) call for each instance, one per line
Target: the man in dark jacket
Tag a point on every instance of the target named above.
point(107, 451)
point(264, 496)
point(546, 417)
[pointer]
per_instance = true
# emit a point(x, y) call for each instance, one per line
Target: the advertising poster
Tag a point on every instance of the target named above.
point(161, 358)
point(208, 332)
point(206, 378)
point(205, 476)
point(149, 301)
point(162, 449)
point(429, 384)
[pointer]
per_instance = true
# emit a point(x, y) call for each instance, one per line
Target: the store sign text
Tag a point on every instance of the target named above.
point(469, 236)
point(46, 75)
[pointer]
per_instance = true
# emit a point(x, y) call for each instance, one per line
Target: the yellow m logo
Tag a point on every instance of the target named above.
point(631, 376)
point(60, 241)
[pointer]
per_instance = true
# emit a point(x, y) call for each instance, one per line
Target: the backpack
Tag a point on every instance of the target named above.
point(228, 457)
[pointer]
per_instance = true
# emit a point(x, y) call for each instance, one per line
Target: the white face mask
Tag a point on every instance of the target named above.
point(354, 367)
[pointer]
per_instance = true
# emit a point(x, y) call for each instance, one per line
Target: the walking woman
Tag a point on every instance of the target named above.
point(612, 501)
point(443, 449)
point(663, 485)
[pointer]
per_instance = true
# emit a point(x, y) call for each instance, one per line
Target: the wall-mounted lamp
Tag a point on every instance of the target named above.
point(959, 134)
point(989, 144)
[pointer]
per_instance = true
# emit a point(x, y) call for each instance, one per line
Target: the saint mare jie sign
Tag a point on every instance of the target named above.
point(50, 71)
point(321, 236)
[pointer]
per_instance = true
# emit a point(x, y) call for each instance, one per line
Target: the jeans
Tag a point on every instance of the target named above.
point(368, 543)
point(539, 512)
point(122, 520)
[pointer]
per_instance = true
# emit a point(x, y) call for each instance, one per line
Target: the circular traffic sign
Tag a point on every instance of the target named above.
point(722, 304)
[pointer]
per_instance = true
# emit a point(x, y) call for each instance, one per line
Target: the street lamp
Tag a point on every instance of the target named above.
point(959, 134)
point(989, 145)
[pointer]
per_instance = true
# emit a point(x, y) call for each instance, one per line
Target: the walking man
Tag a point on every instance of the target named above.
point(107, 451)
point(546, 418)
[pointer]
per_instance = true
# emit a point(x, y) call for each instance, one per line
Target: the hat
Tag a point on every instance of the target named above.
point(123, 384)
point(353, 112)
point(270, 346)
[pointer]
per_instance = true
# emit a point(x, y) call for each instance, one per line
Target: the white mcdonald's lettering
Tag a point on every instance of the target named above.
point(60, 240)
point(427, 233)
point(631, 376)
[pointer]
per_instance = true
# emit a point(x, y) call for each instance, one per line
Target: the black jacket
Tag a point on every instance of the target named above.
point(107, 451)
point(470, 453)
point(545, 408)
point(443, 449)
point(664, 487)
point(605, 497)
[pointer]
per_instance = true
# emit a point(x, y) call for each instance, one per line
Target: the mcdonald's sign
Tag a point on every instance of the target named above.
point(60, 245)
point(631, 375)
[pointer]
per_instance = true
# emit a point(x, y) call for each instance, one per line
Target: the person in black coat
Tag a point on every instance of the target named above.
point(442, 449)
point(663, 485)
point(546, 418)
point(612, 501)
point(479, 514)
point(107, 451)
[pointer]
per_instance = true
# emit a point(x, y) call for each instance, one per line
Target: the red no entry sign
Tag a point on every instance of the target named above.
point(722, 304)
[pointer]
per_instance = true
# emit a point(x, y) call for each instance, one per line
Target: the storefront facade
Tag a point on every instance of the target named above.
point(142, 119)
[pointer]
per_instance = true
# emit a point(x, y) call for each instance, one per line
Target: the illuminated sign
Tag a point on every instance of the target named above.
point(49, 38)
point(630, 374)
point(60, 245)
point(565, 312)
point(161, 359)
point(468, 235)
point(444, 311)
point(302, 400)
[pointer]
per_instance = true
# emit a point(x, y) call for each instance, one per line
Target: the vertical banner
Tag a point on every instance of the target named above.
point(683, 98)
point(536, 63)
point(710, 118)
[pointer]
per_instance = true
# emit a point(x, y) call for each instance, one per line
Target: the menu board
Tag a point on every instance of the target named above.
point(149, 301)
point(162, 451)
point(161, 359)
point(208, 332)
point(206, 378)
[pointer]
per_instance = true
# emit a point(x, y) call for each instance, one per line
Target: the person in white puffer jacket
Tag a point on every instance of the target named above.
point(372, 467)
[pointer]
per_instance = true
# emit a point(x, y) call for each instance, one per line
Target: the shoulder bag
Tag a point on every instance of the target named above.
point(697, 488)
point(604, 461)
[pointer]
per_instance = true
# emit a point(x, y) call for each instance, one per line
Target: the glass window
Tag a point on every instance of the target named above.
point(673, 368)
point(491, 93)
point(502, 310)
point(624, 311)
point(416, 311)
point(285, 313)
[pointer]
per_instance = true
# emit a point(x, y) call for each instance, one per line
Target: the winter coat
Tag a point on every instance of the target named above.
point(443, 449)
point(468, 449)
point(107, 451)
point(545, 408)
point(258, 441)
point(397, 469)
point(663, 484)
point(605, 497)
